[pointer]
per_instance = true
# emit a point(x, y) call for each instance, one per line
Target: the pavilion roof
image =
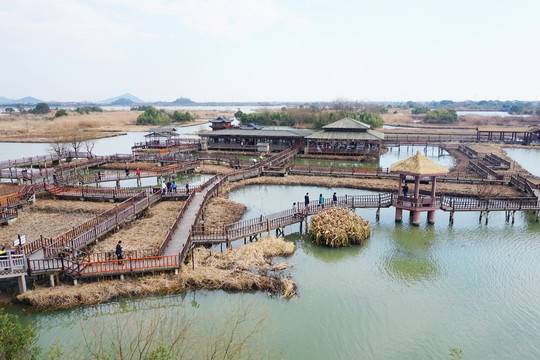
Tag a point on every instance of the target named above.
point(347, 124)
point(418, 165)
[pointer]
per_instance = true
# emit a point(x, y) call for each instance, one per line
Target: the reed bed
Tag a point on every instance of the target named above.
point(214, 169)
point(364, 183)
point(147, 231)
point(338, 227)
point(219, 211)
point(70, 207)
point(8, 189)
point(234, 270)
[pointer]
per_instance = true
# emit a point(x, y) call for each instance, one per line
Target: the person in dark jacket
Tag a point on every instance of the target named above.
point(334, 199)
point(119, 251)
point(306, 200)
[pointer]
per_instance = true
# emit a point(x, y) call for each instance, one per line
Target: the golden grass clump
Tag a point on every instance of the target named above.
point(243, 269)
point(338, 227)
point(219, 211)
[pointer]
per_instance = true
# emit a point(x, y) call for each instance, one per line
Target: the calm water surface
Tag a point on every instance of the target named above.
point(407, 293)
point(529, 159)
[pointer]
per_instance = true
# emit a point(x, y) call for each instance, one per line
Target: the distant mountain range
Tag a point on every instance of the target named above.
point(24, 100)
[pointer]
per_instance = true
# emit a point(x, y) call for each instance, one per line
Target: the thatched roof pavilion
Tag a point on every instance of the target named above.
point(418, 166)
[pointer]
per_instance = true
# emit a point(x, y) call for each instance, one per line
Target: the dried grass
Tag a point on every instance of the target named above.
point(229, 271)
point(362, 183)
point(70, 207)
point(213, 169)
point(8, 189)
point(338, 227)
point(219, 211)
point(147, 231)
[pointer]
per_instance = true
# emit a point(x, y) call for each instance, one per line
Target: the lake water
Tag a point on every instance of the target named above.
point(529, 159)
point(407, 293)
point(488, 113)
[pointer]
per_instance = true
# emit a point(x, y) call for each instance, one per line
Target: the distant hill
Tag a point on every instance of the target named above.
point(24, 100)
point(183, 101)
point(122, 101)
point(126, 96)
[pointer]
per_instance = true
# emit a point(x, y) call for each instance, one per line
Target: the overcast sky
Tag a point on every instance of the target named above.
point(250, 50)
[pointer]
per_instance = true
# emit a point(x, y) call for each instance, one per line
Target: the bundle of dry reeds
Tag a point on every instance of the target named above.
point(338, 227)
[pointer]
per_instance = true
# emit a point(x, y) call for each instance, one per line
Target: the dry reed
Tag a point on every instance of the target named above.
point(219, 211)
point(235, 270)
point(338, 227)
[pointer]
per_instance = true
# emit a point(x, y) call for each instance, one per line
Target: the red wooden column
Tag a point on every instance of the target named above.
point(399, 211)
point(416, 213)
point(431, 213)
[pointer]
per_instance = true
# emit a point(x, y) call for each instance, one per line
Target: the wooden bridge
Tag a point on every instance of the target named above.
point(62, 253)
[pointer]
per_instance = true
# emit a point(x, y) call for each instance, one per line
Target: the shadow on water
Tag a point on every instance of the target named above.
point(323, 253)
point(411, 260)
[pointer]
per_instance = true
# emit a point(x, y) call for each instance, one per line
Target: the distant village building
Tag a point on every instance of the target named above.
point(221, 123)
point(344, 137)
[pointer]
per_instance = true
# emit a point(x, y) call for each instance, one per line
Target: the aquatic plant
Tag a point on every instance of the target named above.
point(338, 227)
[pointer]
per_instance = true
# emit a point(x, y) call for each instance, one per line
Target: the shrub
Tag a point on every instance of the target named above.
point(61, 112)
point(441, 116)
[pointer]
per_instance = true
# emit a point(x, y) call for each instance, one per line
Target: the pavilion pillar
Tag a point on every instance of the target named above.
point(416, 187)
point(400, 184)
point(433, 189)
point(416, 218)
point(399, 214)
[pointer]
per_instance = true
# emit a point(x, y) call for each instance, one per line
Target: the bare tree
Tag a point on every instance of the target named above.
point(58, 145)
point(89, 146)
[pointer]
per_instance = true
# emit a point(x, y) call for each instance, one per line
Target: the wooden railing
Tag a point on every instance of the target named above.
point(260, 224)
point(8, 214)
point(425, 139)
point(92, 192)
point(12, 263)
point(489, 204)
point(127, 265)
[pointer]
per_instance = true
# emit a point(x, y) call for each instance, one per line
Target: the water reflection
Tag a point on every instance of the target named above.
point(323, 253)
point(411, 260)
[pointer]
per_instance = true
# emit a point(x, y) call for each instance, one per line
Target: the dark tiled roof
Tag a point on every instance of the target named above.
point(295, 133)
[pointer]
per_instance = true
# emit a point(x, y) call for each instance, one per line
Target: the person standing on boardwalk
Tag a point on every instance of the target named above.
point(119, 251)
point(174, 186)
point(138, 172)
point(405, 190)
point(169, 187)
point(321, 201)
point(294, 210)
point(99, 175)
point(163, 188)
point(187, 187)
point(334, 199)
point(127, 171)
point(306, 200)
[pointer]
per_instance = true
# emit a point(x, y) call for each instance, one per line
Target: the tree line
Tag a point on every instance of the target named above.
point(153, 116)
point(306, 117)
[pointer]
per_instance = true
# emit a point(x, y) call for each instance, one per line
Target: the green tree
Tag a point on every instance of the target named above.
point(16, 342)
point(441, 116)
point(372, 119)
point(153, 116)
point(420, 110)
point(41, 108)
point(9, 110)
point(61, 112)
point(516, 109)
point(180, 117)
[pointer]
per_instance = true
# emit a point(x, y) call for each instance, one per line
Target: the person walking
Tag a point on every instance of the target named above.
point(294, 210)
point(174, 186)
point(99, 175)
point(334, 199)
point(163, 188)
point(127, 171)
point(138, 172)
point(169, 187)
point(306, 202)
point(119, 252)
point(187, 187)
point(321, 201)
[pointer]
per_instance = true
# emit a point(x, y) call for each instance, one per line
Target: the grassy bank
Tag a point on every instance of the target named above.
point(247, 268)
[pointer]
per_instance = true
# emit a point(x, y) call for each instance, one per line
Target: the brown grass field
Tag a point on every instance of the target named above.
point(41, 128)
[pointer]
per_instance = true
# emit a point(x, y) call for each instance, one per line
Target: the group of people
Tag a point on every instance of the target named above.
point(170, 187)
point(307, 201)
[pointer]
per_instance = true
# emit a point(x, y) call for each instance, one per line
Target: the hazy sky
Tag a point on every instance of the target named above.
point(250, 50)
